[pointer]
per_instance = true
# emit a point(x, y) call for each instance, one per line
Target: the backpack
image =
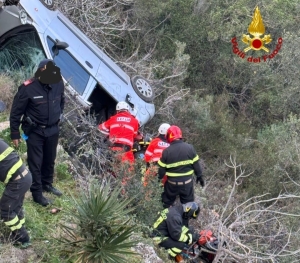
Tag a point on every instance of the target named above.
point(208, 241)
point(206, 236)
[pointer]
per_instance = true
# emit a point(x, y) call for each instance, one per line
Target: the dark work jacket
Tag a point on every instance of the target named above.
point(179, 161)
point(9, 161)
point(43, 103)
point(171, 224)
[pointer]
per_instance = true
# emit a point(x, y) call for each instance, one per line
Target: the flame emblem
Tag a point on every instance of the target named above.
point(256, 28)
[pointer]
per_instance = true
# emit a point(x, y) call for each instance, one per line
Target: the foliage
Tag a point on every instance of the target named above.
point(5, 135)
point(99, 227)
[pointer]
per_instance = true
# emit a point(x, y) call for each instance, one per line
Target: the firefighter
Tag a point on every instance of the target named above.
point(17, 180)
point(154, 151)
point(122, 130)
point(171, 229)
point(179, 162)
point(157, 145)
point(40, 101)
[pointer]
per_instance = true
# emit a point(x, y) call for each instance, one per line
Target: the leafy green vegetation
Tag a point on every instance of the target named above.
point(225, 105)
point(99, 227)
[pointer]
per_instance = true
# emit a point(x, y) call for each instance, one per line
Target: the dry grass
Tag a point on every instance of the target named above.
point(7, 90)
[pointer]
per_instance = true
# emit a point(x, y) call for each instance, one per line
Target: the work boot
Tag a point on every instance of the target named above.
point(50, 189)
point(21, 238)
point(41, 200)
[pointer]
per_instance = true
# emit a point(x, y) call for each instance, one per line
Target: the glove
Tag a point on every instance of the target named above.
point(190, 239)
point(196, 236)
point(200, 180)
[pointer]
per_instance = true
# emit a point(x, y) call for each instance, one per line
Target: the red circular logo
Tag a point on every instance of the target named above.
point(256, 43)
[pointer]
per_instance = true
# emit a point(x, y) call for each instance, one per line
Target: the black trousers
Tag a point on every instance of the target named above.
point(171, 191)
point(173, 247)
point(11, 203)
point(41, 154)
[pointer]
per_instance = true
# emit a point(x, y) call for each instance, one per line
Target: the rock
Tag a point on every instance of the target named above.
point(148, 253)
point(4, 125)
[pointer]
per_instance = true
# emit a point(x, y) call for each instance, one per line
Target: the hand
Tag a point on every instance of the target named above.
point(196, 236)
point(200, 180)
point(16, 142)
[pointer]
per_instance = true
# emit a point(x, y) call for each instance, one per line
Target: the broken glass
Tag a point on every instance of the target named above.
point(20, 54)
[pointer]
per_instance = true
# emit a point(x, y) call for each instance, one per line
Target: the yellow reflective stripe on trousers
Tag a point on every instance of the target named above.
point(171, 253)
point(13, 170)
point(158, 240)
point(6, 153)
point(12, 222)
point(174, 251)
point(179, 174)
point(18, 226)
point(161, 163)
point(22, 221)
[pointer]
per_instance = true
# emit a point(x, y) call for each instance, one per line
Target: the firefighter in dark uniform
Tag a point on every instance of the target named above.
point(17, 179)
point(179, 162)
point(40, 101)
point(171, 229)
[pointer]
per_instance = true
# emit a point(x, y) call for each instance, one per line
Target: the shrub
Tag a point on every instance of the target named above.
point(7, 90)
point(99, 227)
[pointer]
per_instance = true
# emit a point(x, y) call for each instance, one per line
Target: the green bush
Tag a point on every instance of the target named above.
point(62, 171)
point(99, 228)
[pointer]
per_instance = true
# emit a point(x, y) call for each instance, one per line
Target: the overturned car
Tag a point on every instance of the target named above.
point(31, 31)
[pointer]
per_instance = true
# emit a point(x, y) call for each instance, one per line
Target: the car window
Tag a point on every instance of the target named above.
point(70, 69)
point(21, 53)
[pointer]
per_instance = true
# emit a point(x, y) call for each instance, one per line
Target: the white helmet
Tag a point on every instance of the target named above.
point(122, 105)
point(163, 128)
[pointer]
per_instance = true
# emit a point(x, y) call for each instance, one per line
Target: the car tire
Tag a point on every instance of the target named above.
point(142, 88)
point(48, 3)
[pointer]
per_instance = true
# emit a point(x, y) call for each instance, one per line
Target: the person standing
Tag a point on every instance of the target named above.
point(17, 180)
point(40, 100)
point(179, 162)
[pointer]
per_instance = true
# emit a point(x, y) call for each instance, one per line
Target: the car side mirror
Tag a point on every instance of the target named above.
point(59, 45)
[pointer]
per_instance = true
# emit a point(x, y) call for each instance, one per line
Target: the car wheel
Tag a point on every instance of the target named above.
point(48, 3)
point(142, 88)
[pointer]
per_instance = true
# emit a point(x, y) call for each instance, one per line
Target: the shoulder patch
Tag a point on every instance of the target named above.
point(27, 82)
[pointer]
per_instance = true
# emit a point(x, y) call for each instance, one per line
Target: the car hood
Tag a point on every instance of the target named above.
point(9, 18)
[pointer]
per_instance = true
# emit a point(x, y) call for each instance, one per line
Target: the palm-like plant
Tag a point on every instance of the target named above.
point(99, 229)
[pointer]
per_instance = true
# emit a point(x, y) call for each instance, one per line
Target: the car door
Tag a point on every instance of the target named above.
point(78, 63)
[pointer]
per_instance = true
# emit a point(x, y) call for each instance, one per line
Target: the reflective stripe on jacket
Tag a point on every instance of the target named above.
point(122, 128)
point(179, 159)
point(10, 162)
point(155, 149)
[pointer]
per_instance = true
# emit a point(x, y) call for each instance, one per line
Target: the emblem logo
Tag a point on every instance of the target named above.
point(256, 28)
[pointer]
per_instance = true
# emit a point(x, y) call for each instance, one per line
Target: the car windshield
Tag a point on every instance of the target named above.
point(20, 54)
point(70, 69)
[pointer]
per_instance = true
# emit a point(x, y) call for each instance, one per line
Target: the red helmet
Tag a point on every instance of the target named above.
point(173, 133)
